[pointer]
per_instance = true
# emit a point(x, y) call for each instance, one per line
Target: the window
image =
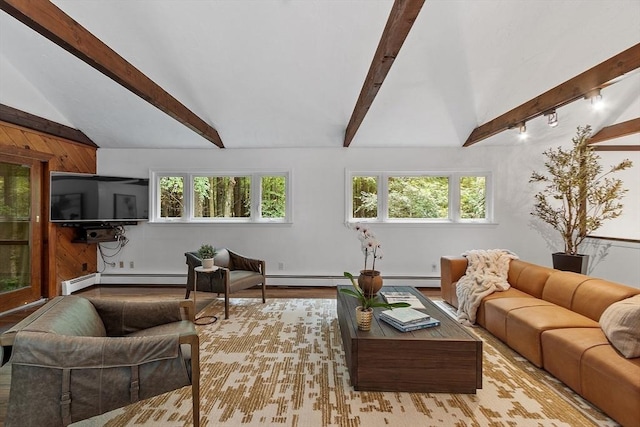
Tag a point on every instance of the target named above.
point(171, 196)
point(213, 197)
point(418, 197)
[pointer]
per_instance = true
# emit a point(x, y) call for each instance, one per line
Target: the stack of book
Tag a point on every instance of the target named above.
point(408, 319)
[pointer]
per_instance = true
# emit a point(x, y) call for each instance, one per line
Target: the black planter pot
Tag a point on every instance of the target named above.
point(577, 263)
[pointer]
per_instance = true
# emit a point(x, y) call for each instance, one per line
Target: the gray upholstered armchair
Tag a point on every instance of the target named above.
point(75, 358)
point(236, 272)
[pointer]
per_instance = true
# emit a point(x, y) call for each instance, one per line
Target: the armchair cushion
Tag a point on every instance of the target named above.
point(121, 318)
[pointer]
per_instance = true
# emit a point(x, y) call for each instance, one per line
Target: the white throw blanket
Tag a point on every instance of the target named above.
point(486, 273)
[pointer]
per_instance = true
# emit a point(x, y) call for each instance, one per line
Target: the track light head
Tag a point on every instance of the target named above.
point(552, 118)
point(522, 131)
point(595, 97)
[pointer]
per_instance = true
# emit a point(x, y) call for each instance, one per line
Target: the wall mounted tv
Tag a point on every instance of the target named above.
point(80, 198)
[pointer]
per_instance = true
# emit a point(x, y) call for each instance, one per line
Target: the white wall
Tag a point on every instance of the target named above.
point(318, 243)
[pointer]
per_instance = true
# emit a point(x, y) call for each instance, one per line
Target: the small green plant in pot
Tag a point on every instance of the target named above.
point(206, 254)
point(364, 312)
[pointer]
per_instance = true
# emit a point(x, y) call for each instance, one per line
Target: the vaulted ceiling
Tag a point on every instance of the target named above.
point(288, 73)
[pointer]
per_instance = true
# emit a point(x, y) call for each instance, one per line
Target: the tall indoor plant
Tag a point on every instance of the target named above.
point(578, 196)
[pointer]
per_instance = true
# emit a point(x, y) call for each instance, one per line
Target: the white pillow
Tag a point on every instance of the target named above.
point(620, 322)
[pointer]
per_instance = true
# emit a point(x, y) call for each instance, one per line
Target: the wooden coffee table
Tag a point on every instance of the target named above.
point(442, 359)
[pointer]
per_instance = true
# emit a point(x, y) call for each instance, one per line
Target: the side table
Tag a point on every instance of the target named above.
point(202, 320)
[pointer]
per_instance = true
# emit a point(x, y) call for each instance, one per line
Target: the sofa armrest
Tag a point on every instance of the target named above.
point(452, 268)
point(125, 317)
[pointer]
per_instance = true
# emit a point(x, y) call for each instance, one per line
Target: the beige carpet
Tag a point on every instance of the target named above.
point(282, 364)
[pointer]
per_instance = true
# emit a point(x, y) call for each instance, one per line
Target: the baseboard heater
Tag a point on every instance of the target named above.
point(74, 285)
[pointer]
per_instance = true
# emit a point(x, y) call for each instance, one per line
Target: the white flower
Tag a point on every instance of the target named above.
point(370, 245)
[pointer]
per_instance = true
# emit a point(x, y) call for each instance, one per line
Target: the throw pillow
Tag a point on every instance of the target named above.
point(620, 322)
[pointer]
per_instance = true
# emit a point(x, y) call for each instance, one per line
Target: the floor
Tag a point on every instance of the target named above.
point(165, 292)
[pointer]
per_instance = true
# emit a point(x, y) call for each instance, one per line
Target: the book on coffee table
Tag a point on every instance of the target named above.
point(405, 315)
point(408, 297)
point(428, 323)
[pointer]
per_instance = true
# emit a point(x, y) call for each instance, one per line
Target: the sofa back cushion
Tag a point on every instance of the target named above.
point(593, 296)
point(530, 278)
point(561, 287)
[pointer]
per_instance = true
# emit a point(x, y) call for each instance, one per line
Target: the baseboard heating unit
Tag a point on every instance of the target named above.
point(74, 285)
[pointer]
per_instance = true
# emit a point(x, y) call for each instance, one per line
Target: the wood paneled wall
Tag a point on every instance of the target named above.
point(62, 259)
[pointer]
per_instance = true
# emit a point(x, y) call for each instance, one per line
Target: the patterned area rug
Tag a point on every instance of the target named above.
point(282, 364)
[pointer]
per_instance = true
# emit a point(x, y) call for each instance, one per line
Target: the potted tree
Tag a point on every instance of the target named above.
point(364, 312)
point(206, 254)
point(578, 196)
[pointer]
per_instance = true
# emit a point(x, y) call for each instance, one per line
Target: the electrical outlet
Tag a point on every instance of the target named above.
point(121, 264)
point(130, 264)
point(281, 266)
point(434, 267)
point(84, 266)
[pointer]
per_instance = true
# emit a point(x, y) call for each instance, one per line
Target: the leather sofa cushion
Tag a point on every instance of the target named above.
point(532, 279)
point(563, 350)
point(561, 287)
point(509, 293)
point(612, 383)
point(621, 324)
point(497, 311)
point(593, 296)
point(525, 326)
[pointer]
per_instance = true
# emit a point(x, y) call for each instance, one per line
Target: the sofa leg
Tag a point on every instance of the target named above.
point(264, 289)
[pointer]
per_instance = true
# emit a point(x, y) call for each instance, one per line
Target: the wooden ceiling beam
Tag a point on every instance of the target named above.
point(616, 148)
point(48, 20)
point(30, 121)
point(563, 94)
point(616, 131)
point(403, 15)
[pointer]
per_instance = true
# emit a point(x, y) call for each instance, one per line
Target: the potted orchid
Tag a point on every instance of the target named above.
point(364, 312)
point(370, 280)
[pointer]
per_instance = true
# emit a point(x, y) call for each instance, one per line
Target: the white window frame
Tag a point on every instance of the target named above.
point(454, 216)
point(189, 206)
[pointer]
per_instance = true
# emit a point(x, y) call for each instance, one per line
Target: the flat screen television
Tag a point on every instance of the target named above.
point(77, 198)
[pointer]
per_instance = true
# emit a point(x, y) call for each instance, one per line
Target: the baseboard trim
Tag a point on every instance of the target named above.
point(272, 280)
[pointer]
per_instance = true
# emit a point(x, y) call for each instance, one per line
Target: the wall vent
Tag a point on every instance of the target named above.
point(73, 285)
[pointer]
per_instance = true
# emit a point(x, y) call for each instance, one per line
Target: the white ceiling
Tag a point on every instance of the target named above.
point(287, 73)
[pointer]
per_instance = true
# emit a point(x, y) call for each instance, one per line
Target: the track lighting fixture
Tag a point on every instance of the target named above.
point(595, 97)
point(552, 118)
point(522, 129)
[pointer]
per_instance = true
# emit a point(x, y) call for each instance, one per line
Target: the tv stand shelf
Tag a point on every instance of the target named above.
point(98, 232)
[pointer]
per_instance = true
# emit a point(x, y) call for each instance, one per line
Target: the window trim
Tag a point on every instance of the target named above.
point(189, 205)
point(454, 215)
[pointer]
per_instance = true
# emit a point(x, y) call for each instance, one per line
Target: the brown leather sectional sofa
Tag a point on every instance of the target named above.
point(551, 318)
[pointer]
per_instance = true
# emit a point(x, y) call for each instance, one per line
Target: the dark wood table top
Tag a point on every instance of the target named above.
point(449, 329)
